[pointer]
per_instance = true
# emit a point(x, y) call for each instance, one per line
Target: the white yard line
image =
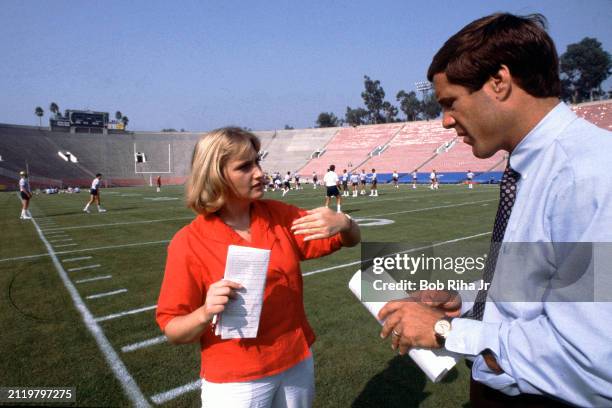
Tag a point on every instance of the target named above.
point(74, 251)
point(95, 278)
point(64, 245)
point(169, 395)
point(80, 268)
point(143, 344)
point(121, 314)
point(114, 224)
point(125, 379)
point(61, 240)
point(164, 241)
point(105, 294)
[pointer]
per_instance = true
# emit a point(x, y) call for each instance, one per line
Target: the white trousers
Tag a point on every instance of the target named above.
point(292, 388)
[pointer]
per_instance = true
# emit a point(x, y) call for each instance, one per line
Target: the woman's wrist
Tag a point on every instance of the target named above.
point(348, 223)
point(203, 317)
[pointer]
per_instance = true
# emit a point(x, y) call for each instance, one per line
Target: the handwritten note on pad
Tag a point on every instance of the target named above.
point(247, 266)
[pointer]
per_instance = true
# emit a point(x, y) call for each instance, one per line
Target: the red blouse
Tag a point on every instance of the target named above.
point(196, 259)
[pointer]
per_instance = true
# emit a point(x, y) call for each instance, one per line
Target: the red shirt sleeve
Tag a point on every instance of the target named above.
point(182, 289)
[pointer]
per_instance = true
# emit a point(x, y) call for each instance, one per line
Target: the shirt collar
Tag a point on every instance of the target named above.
point(212, 227)
point(539, 138)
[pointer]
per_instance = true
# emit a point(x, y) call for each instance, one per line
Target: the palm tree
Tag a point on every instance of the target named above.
point(39, 112)
point(54, 108)
point(118, 115)
point(125, 121)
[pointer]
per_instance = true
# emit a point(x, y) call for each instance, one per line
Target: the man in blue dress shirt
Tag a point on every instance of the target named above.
point(530, 344)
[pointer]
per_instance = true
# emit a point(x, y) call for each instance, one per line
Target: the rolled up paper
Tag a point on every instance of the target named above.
point(434, 363)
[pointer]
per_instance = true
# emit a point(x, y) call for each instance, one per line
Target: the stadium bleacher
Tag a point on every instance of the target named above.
point(598, 113)
point(289, 150)
point(387, 147)
point(350, 147)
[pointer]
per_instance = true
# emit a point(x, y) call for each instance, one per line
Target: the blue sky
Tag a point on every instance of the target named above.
point(260, 64)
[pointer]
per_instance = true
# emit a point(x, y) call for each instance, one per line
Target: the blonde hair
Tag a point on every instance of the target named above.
point(207, 187)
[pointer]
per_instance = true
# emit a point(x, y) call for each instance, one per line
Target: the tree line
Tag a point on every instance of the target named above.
point(583, 68)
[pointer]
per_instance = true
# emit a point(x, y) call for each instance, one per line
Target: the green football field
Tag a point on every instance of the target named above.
point(79, 293)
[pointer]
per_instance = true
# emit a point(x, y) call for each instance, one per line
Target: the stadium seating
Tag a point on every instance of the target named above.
point(599, 113)
point(289, 150)
point(396, 146)
point(350, 147)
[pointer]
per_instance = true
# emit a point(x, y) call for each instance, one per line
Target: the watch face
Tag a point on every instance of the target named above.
point(442, 327)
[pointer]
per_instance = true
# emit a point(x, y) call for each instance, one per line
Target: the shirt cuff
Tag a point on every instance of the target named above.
point(472, 337)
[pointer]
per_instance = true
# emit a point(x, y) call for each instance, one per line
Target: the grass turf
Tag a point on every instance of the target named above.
point(44, 341)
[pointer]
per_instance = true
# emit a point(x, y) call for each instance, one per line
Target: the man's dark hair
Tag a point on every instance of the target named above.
point(332, 167)
point(98, 174)
point(474, 54)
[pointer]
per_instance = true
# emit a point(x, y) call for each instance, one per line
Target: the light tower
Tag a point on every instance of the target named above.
point(423, 87)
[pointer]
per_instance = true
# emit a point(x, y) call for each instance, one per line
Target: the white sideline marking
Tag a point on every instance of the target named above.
point(96, 278)
point(81, 258)
point(64, 245)
point(99, 295)
point(126, 381)
point(143, 344)
point(80, 268)
point(121, 314)
point(408, 251)
point(163, 397)
point(122, 223)
point(54, 233)
point(62, 240)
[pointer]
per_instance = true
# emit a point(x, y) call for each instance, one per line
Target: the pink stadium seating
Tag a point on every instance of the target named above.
point(351, 146)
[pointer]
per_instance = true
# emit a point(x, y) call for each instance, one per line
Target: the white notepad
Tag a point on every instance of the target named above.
point(434, 363)
point(247, 266)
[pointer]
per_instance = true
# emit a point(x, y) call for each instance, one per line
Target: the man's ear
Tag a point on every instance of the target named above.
point(501, 83)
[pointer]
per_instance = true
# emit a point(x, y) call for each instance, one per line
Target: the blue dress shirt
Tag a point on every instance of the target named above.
point(557, 348)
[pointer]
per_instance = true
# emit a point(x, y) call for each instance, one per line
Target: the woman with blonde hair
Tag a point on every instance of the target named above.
point(225, 189)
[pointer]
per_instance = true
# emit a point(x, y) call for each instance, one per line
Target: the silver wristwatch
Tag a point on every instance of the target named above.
point(442, 329)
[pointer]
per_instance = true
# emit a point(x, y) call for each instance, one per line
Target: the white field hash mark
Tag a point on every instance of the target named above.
point(100, 295)
point(80, 268)
point(144, 343)
point(121, 314)
point(80, 258)
point(95, 278)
